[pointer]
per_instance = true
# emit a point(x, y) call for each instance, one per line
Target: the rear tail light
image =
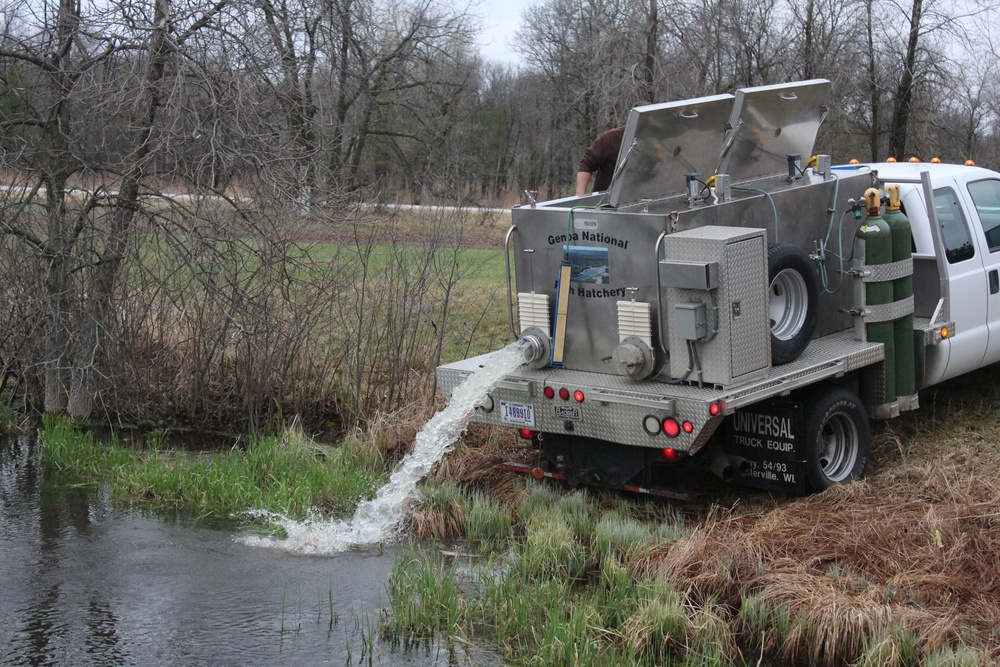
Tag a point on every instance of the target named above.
point(564, 394)
point(526, 433)
point(671, 427)
point(549, 392)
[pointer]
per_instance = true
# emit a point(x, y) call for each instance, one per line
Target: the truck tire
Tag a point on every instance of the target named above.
point(838, 438)
point(793, 293)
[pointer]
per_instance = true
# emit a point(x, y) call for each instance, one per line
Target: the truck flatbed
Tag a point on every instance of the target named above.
point(826, 357)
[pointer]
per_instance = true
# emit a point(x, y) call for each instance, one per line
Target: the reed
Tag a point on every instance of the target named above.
point(549, 549)
point(953, 657)
point(425, 598)
point(617, 536)
point(576, 509)
point(488, 523)
point(540, 500)
point(565, 591)
point(441, 512)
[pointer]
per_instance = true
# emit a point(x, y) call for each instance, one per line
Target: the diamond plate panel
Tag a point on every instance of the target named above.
point(615, 406)
point(740, 351)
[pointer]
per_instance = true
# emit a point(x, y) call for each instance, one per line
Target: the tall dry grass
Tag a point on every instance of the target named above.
point(913, 552)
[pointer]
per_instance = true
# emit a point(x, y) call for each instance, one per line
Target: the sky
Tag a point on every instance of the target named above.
point(501, 19)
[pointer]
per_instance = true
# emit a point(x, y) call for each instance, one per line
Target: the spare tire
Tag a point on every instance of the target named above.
point(793, 295)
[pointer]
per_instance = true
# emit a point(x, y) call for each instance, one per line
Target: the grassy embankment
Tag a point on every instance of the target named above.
point(286, 473)
point(900, 569)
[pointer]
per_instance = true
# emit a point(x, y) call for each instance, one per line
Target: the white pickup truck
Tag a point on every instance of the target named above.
point(732, 304)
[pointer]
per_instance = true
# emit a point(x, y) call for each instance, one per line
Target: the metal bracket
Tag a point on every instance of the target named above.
point(672, 219)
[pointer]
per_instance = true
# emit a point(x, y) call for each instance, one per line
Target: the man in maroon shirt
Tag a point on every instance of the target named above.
point(599, 159)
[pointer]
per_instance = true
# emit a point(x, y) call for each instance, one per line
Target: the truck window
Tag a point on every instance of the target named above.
point(954, 229)
point(986, 196)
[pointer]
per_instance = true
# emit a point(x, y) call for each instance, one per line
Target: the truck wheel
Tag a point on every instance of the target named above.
point(792, 301)
point(838, 438)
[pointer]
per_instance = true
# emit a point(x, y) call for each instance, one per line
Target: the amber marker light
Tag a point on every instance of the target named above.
point(914, 159)
point(854, 160)
point(970, 163)
point(890, 159)
point(935, 160)
point(944, 333)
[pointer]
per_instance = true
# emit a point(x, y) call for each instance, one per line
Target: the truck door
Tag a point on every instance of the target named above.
point(967, 285)
point(983, 203)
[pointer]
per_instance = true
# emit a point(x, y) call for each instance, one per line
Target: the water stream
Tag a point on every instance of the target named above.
point(376, 521)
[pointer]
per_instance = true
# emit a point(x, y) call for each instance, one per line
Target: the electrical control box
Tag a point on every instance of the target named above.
point(690, 320)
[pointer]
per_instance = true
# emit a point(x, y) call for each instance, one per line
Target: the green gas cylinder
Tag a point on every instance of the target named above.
point(877, 237)
point(902, 288)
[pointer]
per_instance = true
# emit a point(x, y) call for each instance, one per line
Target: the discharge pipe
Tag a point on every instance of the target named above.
point(539, 347)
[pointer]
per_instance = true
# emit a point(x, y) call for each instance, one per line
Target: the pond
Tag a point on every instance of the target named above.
point(89, 581)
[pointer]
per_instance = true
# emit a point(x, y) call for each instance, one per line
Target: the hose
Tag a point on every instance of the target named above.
point(769, 199)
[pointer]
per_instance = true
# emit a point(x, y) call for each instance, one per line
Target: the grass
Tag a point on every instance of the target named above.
point(425, 597)
point(488, 522)
point(285, 474)
point(897, 570)
point(556, 597)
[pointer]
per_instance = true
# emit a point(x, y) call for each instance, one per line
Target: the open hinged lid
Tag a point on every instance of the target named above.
point(663, 142)
point(769, 123)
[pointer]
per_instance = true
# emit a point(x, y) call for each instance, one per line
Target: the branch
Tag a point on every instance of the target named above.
point(202, 22)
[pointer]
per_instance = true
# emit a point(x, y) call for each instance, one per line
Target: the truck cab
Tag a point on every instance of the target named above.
point(967, 208)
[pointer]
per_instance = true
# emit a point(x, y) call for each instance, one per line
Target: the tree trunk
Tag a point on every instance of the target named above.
point(55, 252)
point(82, 388)
point(649, 57)
point(873, 91)
point(904, 92)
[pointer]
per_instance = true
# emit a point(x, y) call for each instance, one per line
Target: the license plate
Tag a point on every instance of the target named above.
point(517, 414)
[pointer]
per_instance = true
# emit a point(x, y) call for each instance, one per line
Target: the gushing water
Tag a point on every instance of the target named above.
point(377, 520)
